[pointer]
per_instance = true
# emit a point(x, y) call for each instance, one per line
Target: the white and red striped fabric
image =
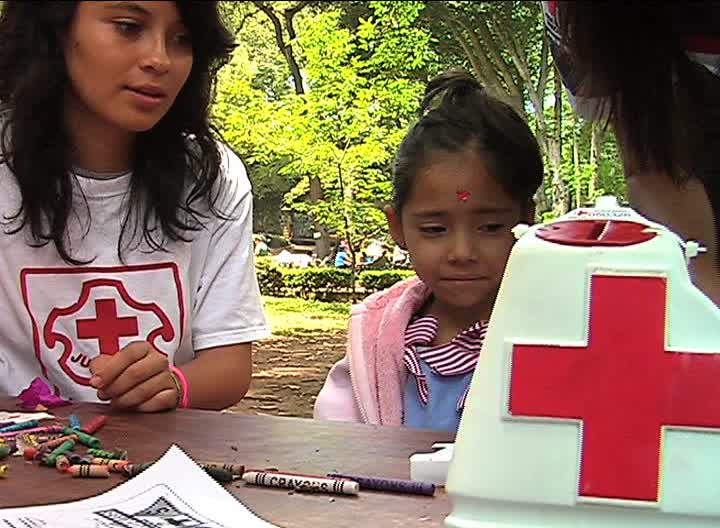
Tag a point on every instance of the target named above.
point(459, 356)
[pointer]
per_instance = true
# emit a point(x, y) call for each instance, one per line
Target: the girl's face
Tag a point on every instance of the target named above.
point(127, 62)
point(456, 226)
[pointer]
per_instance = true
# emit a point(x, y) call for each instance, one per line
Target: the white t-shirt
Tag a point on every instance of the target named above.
point(56, 317)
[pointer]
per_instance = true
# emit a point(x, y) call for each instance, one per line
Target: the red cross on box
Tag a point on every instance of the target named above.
point(624, 387)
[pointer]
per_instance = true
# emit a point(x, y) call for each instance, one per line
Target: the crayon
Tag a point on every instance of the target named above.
point(84, 438)
point(12, 444)
point(4, 451)
point(89, 471)
point(219, 474)
point(52, 444)
point(74, 422)
point(74, 458)
point(62, 463)
point(235, 469)
point(95, 424)
point(301, 483)
point(415, 487)
point(4, 470)
point(45, 429)
point(116, 466)
point(132, 470)
point(51, 458)
point(114, 455)
point(30, 424)
point(30, 439)
point(29, 453)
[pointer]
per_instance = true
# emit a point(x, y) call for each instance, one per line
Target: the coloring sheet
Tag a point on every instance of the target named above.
point(172, 492)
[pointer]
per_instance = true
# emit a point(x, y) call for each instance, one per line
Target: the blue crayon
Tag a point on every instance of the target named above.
point(74, 422)
point(20, 426)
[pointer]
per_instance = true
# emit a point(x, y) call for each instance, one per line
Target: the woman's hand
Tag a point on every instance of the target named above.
point(138, 377)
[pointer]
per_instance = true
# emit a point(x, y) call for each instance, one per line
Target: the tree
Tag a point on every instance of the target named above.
point(505, 46)
point(347, 127)
point(335, 85)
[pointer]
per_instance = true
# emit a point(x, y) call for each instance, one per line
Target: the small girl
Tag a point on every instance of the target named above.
point(126, 257)
point(463, 177)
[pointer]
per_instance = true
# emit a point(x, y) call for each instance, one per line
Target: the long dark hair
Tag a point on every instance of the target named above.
point(663, 106)
point(457, 112)
point(177, 162)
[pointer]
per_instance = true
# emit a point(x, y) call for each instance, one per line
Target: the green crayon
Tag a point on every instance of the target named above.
point(51, 458)
point(84, 438)
point(112, 455)
point(4, 450)
point(235, 469)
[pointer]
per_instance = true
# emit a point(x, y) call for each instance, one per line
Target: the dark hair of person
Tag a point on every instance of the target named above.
point(457, 113)
point(663, 106)
point(176, 164)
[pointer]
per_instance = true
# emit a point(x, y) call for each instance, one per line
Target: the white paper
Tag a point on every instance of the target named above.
point(172, 492)
point(18, 417)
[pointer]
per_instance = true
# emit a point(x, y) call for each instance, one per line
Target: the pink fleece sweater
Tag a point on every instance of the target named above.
point(367, 384)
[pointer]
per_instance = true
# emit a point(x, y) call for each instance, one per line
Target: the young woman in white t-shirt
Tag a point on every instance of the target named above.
point(126, 258)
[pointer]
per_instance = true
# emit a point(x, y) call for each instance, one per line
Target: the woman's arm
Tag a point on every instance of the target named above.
point(219, 377)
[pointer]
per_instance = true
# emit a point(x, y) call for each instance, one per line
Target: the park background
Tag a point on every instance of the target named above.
point(316, 100)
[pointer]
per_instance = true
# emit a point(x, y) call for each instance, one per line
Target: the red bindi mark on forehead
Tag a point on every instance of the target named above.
point(463, 196)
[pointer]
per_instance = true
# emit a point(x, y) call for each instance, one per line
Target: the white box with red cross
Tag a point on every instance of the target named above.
point(596, 399)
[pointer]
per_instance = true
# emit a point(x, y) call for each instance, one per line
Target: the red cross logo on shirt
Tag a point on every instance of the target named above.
point(107, 327)
point(625, 387)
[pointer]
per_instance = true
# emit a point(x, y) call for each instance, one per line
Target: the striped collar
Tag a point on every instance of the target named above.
point(459, 356)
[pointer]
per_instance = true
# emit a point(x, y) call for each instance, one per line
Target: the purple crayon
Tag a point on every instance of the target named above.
point(416, 487)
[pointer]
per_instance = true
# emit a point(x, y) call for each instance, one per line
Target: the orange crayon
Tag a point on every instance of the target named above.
point(89, 471)
point(116, 466)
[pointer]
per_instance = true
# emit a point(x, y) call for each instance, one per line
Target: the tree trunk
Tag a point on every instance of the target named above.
point(576, 163)
point(322, 244)
point(559, 187)
point(596, 139)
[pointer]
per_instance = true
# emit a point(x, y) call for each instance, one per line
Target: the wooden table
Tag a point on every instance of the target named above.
point(289, 444)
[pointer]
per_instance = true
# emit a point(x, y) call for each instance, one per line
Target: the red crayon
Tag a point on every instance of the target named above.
point(95, 424)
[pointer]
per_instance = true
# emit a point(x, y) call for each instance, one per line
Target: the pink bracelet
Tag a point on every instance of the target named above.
point(185, 402)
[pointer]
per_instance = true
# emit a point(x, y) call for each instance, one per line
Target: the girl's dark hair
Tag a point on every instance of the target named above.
point(663, 106)
point(457, 113)
point(177, 162)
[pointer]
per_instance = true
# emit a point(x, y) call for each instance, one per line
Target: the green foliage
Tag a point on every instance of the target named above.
point(317, 283)
point(346, 129)
point(364, 66)
point(373, 281)
point(270, 276)
point(320, 283)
